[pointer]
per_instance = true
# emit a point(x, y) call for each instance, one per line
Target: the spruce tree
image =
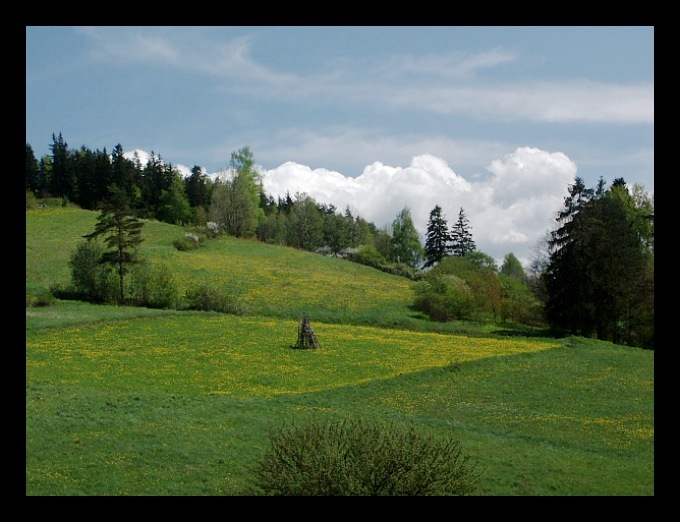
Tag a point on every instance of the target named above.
point(565, 277)
point(599, 279)
point(461, 237)
point(197, 188)
point(32, 171)
point(62, 182)
point(437, 239)
point(123, 173)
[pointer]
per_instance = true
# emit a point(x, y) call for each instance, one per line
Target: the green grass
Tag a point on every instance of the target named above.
point(133, 401)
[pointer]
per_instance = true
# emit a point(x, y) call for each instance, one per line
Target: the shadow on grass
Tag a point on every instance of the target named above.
point(523, 331)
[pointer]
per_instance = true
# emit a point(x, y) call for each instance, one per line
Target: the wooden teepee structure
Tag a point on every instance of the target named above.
point(306, 336)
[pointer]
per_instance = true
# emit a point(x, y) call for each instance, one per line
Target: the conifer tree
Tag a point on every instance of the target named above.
point(62, 183)
point(197, 188)
point(122, 234)
point(123, 172)
point(32, 171)
point(599, 279)
point(437, 239)
point(461, 237)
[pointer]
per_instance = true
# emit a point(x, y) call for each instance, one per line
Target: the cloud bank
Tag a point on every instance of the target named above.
point(509, 211)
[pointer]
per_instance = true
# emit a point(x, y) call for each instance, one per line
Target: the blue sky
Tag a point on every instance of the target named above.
point(497, 120)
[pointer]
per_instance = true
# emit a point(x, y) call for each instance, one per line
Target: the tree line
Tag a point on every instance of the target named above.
point(593, 277)
point(599, 271)
point(233, 203)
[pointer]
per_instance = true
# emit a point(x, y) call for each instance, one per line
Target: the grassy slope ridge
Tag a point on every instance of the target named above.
point(134, 401)
point(270, 280)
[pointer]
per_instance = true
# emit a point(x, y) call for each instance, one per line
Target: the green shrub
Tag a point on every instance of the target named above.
point(207, 297)
point(370, 256)
point(43, 298)
point(90, 279)
point(518, 303)
point(188, 242)
point(361, 458)
point(402, 270)
point(444, 297)
point(155, 286)
point(31, 201)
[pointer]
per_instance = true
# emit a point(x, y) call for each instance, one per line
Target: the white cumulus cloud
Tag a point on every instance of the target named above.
point(508, 212)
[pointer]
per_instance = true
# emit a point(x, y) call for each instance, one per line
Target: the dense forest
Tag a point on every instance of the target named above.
point(592, 276)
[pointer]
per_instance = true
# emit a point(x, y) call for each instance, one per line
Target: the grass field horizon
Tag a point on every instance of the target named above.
point(135, 401)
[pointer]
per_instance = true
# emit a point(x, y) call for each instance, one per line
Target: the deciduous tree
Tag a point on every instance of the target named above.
point(405, 239)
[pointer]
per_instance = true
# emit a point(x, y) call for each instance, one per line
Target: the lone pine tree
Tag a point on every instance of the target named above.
point(121, 231)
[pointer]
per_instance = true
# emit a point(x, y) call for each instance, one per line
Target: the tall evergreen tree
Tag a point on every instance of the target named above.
point(45, 169)
point(437, 238)
point(197, 188)
point(122, 234)
point(461, 237)
point(599, 278)
point(123, 173)
point(84, 165)
point(156, 177)
point(103, 176)
point(565, 278)
point(62, 182)
point(32, 171)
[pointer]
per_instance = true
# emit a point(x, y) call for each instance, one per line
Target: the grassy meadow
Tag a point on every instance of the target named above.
point(135, 401)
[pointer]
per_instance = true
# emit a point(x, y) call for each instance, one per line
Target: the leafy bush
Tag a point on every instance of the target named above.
point(207, 297)
point(444, 297)
point(188, 242)
point(361, 458)
point(370, 256)
point(518, 303)
point(31, 201)
point(155, 286)
point(43, 298)
point(402, 270)
point(90, 279)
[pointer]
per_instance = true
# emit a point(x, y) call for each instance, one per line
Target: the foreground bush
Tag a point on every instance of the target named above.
point(361, 458)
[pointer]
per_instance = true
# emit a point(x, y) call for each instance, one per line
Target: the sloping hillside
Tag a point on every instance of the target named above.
point(269, 280)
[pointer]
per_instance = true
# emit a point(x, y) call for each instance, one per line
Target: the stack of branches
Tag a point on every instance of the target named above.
point(306, 336)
